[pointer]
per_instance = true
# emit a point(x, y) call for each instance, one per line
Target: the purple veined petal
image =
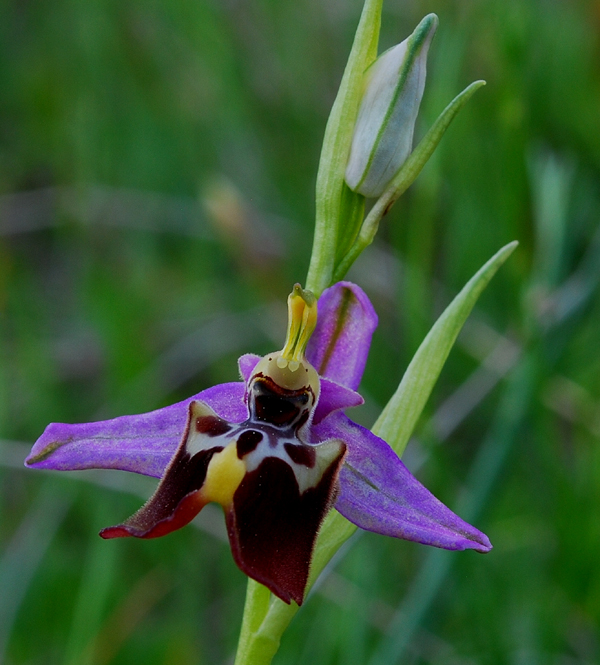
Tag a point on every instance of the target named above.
point(378, 493)
point(340, 344)
point(142, 443)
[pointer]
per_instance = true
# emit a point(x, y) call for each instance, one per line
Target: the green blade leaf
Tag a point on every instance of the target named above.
point(398, 419)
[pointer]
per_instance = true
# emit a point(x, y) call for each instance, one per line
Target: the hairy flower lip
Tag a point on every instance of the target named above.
point(370, 485)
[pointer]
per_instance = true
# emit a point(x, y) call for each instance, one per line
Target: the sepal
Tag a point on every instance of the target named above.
point(378, 493)
point(340, 344)
point(144, 443)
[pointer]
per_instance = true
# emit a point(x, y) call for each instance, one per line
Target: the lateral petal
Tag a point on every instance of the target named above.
point(142, 443)
point(340, 344)
point(378, 493)
point(334, 397)
point(273, 527)
point(247, 363)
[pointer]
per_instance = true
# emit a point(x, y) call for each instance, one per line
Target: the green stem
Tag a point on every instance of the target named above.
point(266, 617)
point(254, 645)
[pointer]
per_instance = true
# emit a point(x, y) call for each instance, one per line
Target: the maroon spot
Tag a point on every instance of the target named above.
point(301, 454)
point(247, 442)
point(276, 405)
point(212, 425)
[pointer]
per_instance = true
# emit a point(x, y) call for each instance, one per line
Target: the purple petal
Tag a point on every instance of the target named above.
point(143, 443)
point(247, 363)
point(334, 397)
point(378, 493)
point(339, 346)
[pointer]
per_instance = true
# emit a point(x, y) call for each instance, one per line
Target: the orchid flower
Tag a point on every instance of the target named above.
point(276, 450)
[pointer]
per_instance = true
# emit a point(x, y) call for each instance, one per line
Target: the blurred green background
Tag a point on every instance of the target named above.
point(157, 170)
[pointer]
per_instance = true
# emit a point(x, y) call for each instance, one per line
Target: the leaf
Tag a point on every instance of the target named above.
point(398, 419)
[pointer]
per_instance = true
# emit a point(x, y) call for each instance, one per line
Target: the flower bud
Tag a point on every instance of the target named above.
point(383, 134)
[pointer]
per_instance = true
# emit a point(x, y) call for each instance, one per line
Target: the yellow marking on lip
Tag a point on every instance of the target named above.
point(224, 475)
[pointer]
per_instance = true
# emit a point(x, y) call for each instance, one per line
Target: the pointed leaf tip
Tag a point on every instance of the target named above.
point(409, 171)
point(399, 417)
